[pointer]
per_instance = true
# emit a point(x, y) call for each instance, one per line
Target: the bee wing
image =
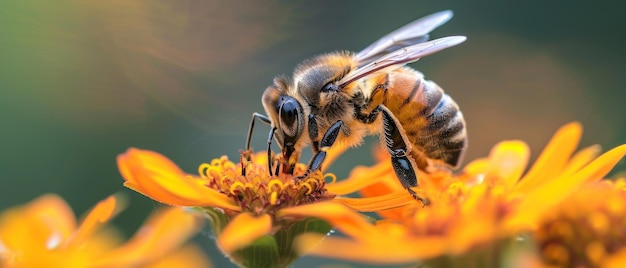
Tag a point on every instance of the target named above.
point(410, 34)
point(402, 56)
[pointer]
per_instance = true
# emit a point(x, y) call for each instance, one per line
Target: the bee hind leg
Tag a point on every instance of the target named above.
point(397, 145)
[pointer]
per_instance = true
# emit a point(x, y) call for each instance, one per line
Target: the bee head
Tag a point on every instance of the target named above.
point(287, 116)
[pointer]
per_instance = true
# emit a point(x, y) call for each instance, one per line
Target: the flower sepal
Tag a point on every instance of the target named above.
point(273, 248)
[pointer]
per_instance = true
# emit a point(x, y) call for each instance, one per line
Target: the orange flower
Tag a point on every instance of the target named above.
point(588, 229)
point(247, 212)
point(490, 200)
point(44, 233)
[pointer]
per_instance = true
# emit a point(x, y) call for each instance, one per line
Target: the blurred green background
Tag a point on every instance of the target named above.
point(82, 81)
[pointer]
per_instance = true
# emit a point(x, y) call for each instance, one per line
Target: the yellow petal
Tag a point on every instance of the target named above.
point(99, 215)
point(243, 230)
point(554, 156)
point(602, 165)
point(385, 251)
point(477, 166)
point(190, 256)
point(378, 203)
point(581, 158)
point(359, 178)
point(45, 222)
point(555, 190)
point(508, 161)
point(55, 213)
point(162, 233)
point(338, 215)
point(157, 177)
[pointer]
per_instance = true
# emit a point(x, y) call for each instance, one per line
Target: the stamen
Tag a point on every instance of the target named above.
point(333, 178)
point(312, 182)
point(273, 198)
point(308, 186)
point(216, 162)
point(236, 185)
point(203, 170)
point(248, 185)
point(256, 191)
point(277, 183)
point(224, 180)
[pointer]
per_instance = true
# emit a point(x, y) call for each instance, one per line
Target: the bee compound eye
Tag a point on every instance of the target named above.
point(329, 87)
point(290, 115)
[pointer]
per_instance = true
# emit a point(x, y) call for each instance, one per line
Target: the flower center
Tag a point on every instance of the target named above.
point(586, 230)
point(454, 203)
point(258, 192)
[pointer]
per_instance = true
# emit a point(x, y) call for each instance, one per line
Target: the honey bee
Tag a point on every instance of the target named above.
point(337, 99)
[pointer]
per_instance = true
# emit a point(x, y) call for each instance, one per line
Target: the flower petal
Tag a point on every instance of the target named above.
point(554, 156)
point(338, 215)
point(508, 161)
point(45, 222)
point(581, 158)
point(190, 256)
point(162, 233)
point(378, 203)
point(476, 167)
point(243, 230)
point(155, 176)
point(556, 189)
point(99, 215)
point(386, 251)
point(360, 177)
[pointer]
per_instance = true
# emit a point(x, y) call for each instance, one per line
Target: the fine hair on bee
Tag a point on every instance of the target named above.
point(336, 99)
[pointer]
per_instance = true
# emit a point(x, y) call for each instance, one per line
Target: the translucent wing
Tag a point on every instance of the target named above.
point(402, 56)
point(407, 35)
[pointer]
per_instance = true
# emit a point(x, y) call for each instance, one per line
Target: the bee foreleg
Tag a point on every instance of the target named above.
point(266, 120)
point(327, 141)
point(312, 125)
point(269, 151)
point(398, 147)
point(255, 116)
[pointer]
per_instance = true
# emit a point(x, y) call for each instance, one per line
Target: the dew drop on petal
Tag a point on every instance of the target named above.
point(331, 232)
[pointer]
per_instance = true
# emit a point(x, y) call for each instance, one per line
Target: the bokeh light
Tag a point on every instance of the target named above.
point(80, 82)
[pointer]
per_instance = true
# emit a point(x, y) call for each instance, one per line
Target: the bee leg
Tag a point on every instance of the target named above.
point(312, 126)
point(269, 151)
point(397, 145)
point(266, 120)
point(327, 141)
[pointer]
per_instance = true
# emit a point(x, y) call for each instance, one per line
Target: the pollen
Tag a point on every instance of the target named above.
point(258, 192)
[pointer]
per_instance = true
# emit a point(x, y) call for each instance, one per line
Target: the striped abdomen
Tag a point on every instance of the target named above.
point(431, 119)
